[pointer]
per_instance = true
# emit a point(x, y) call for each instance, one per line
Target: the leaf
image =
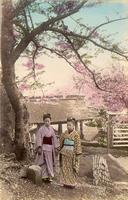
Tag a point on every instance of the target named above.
point(87, 61)
point(84, 55)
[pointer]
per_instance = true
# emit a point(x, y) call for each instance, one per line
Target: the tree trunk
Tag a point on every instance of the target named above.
point(6, 122)
point(8, 77)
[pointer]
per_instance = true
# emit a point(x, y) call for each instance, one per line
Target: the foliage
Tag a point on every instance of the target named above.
point(113, 95)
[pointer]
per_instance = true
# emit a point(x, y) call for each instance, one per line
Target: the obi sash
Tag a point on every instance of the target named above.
point(47, 140)
point(68, 142)
point(69, 147)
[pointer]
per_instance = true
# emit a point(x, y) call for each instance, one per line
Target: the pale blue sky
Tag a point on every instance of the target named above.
point(96, 15)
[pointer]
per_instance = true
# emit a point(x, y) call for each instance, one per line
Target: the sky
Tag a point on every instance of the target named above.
point(57, 71)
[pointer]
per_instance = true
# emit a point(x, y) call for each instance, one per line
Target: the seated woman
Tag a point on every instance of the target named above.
point(46, 146)
point(70, 150)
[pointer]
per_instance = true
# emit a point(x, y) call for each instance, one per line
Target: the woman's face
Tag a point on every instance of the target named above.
point(47, 122)
point(70, 126)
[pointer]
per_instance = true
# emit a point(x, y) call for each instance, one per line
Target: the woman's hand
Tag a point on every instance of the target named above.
point(56, 152)
point(39, 151)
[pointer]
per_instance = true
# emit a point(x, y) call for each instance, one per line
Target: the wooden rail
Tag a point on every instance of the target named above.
point(78, 125)
point(120, 135)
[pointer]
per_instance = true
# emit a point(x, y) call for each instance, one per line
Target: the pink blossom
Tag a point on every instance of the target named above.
point(65, 6)
point(63, 45)
point(15, 33)
point(79, 67)
point(70, 4)
point(77, 64)
point(39, 66)
point(28, 64)
point(59, 9)
point(116, 83)
point(23, 87)
point(95, 34)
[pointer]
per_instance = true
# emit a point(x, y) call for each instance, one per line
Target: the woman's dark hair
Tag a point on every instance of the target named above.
point(71, 119)
point(47, 115)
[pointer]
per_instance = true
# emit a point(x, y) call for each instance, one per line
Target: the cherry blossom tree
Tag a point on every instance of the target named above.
point(23, 35)
point(114, 93)
point(117, 98)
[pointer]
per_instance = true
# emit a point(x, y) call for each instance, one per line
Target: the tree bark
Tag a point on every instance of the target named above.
point(8, 77)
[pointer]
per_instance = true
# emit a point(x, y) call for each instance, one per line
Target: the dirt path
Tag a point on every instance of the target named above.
point(25, 190)
point(123, 162)
point(4, 193)
point(14, 188)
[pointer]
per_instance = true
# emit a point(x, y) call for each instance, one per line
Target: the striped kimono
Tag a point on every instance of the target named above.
point(70, 149)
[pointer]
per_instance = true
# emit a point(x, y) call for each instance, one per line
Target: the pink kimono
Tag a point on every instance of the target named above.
point(47, 140)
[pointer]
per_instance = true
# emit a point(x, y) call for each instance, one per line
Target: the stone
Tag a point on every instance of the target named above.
point(86, 164)
point(101, 174)
point(23, 172)
point(34, 174)
point(117, 171)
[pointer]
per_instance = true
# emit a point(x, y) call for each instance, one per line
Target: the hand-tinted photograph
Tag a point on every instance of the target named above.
point(64, 100)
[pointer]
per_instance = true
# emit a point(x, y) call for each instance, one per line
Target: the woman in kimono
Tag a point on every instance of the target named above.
point(70, 151)
point(46, 147)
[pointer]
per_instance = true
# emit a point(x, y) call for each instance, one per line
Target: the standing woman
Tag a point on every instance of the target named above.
point(70, 151)
point(46, 146)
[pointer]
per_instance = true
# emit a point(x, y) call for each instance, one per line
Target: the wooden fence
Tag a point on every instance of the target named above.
point(120, 135)
point(78, 126)
point(117, 133)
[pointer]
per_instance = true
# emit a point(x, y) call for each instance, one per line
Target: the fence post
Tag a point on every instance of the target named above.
point(81, 130)
point(109, 133)
point(76, 125)
point(60, 128)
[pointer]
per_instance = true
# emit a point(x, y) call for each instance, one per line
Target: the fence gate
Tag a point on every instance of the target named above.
point(120, 135)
